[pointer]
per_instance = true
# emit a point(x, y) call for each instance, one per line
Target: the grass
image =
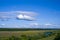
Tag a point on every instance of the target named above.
point(49, 38)
point(35, 34)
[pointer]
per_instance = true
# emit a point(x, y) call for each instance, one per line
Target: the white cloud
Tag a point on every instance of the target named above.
point(25, 17)
point(2, 25)
point(34, 25)
point(48, 24)
point(20, 17)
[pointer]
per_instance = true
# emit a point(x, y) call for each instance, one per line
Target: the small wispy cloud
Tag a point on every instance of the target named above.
point(4, 18)
point(48, 25)
point(29, 13)
point(34, 25)
point(2, 25)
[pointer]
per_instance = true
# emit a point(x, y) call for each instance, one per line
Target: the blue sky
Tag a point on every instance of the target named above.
point(37, 13)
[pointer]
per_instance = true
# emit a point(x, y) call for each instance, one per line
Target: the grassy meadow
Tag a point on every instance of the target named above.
point(30, 35)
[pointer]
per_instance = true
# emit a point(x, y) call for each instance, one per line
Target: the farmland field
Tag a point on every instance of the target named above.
point(29, 35)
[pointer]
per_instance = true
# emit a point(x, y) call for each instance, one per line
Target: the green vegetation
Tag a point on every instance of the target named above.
point(57, 37)
point(23, 29)
point(30, 35)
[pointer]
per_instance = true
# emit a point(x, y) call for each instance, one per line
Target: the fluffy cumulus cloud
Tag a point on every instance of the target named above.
point(25, 17)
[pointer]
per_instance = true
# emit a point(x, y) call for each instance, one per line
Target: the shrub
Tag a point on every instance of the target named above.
point(57, 37)
point(14, 38)
point(46, 34)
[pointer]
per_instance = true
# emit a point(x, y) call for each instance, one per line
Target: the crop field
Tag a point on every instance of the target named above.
point(30, 35)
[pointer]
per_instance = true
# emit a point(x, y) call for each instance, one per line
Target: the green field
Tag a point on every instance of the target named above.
point(29, 35)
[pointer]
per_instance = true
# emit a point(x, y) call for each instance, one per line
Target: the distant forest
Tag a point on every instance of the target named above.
point(23, 29)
